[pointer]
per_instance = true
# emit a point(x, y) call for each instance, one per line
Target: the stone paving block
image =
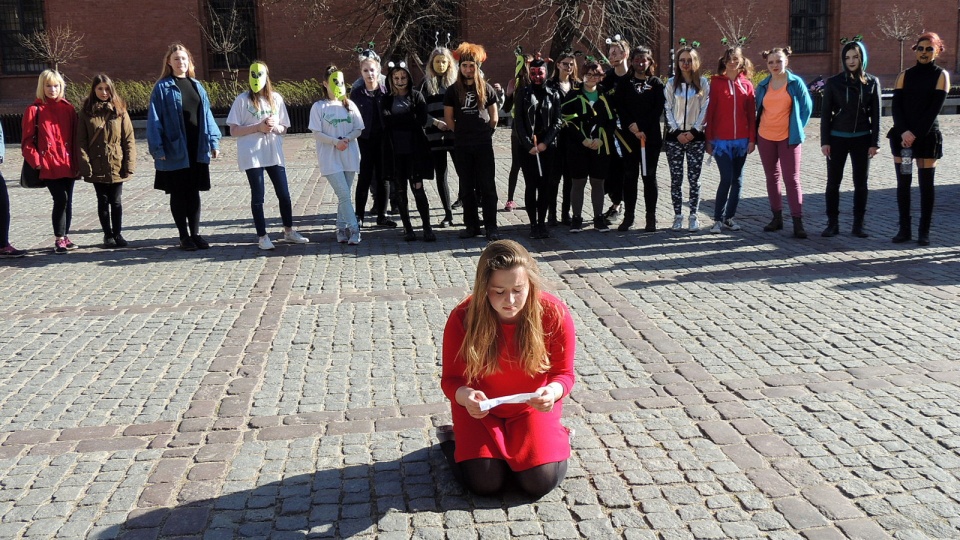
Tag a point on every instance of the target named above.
point(85, 433)
point(721, 432)
point(800, 513)
point(832, 503)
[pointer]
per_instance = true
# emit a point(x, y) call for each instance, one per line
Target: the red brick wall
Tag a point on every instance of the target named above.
point(127, 40)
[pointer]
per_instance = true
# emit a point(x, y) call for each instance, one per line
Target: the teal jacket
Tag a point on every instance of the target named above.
point(799, 112)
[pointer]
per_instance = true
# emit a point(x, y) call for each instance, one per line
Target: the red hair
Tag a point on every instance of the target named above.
point(934, 40)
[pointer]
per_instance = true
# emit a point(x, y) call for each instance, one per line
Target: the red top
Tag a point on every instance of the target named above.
point(732, 109)
point(515, 433)
point(54, 151)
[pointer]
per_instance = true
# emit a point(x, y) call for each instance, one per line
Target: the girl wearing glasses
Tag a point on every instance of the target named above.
point(687, 99)
point(918, 95)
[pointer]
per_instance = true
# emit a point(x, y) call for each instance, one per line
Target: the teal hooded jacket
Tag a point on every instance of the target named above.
point(799, 112)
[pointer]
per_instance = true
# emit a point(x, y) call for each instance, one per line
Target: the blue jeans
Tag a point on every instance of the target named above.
point(340, 182)
point(731, 182)
point(278, 176)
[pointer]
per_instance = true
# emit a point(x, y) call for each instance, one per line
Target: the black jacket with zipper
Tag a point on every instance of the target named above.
point(850, 106)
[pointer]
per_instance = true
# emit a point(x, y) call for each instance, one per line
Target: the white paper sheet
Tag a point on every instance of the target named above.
point(515, 398)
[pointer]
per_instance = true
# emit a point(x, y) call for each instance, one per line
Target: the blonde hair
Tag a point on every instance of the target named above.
point(434, 81)
point(50, 75)
point(480, 349)
point(167, 71)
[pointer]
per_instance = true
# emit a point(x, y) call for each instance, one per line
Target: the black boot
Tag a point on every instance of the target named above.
point(904, 234)
point(833, 228)
point(925, 179)
point(858, 227)
point(776, 223)
point(798, 231)
point(651, 223)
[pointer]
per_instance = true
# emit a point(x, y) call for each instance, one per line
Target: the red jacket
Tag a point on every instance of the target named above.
point(732, 110)
point(54, 151)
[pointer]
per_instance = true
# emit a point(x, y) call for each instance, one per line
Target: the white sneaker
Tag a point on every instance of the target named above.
point(342, 236)
point(294, 237)
point(264, 243)
point(677, 223)
point(731, 224)
point(354, 237)
point(716, 228)
point(694, 223)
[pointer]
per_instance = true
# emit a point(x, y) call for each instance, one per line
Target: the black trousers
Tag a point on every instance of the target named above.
point(857, 148)
point(475, 167)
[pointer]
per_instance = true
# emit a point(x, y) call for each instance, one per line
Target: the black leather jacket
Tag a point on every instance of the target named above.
point(850, 106)
point(525, 123)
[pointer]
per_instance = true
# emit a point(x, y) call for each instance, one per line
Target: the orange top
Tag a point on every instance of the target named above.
point(775, 120)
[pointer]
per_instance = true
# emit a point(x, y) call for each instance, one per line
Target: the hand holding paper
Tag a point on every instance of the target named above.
point(515, 398)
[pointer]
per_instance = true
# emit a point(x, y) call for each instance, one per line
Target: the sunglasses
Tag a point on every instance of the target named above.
point(923, 49)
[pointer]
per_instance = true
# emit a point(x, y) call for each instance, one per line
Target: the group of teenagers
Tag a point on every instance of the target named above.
point(509, 348)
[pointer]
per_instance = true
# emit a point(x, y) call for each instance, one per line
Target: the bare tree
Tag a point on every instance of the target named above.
point(401, 28)
point(53, 46)
point(585, 23)
point(224, 34)
point(738, 23)
point(901, 25)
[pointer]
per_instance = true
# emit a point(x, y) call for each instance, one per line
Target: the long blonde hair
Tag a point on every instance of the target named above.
point(481, 343)
point(432, 80)
point(167, 71)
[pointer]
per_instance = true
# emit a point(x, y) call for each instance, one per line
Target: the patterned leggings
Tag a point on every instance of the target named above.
point(675, 152)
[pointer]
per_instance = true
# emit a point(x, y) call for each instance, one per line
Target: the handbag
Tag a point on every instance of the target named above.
point(30, 177)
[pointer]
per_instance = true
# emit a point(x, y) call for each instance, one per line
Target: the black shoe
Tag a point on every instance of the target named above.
point(493, 236)
point(544, 232)
point(386, 223)
point(470, 232)
point(409, 236)
point(456, 204)
point(600, 225)
point(625, 226)
point(576, 225)
point(535, 231)
point(565, 220)
point(429, 236)
point(832, 230)
point(187, 244)
point(903, 235)
point(612, 214)
point(447, 222)
point(923, 239)
point(651, 225)
point(200, 242)
point(109, 241)
point(120, 240)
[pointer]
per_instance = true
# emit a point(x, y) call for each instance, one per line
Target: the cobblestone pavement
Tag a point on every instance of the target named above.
point(741, 385)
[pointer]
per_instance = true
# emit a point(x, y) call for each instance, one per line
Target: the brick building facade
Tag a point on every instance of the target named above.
point(127, 39)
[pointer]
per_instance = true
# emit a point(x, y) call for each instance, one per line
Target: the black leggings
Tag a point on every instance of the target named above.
point(403, 168)
point(443, 188)
point(631, 179)
point(185, 207)
point(4, 213)
point(858, 149)
point(109, 207)
point(486, 476)
point(61, 190)
point(370, 177)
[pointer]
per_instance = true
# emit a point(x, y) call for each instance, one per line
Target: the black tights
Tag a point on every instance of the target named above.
point(62, 192)
point(185, 207)
point(486, 476)
point(109, 207)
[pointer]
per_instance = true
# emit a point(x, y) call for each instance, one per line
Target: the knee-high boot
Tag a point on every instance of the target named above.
point(905, 232)
point(925, 179)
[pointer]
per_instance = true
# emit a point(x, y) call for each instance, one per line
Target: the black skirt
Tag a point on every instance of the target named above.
point(195, 177)
point(930, 146)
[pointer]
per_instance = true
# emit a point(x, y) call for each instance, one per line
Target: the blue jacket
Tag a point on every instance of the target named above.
point(166, 133)
point(799, 112)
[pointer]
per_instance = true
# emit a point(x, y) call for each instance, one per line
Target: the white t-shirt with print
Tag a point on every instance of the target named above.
point(256, 150)
point(333, 120)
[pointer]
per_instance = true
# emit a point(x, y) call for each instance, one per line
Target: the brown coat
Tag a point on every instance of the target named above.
point(108, 152)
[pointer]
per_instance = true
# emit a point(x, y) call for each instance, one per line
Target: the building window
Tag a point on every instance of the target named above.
point(231, 33)
point(808, 25)
point(19, 18)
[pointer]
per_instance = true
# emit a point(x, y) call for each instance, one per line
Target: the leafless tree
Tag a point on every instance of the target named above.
point(585, 23)
point(224, 34)
point(53, 46)
point(401, 28)
point(738, 22)
point(901, 25)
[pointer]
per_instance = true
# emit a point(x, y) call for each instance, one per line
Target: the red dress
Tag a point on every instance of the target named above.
point(515, 433)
